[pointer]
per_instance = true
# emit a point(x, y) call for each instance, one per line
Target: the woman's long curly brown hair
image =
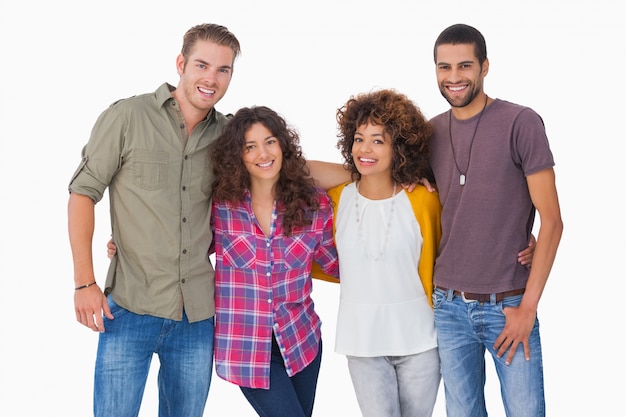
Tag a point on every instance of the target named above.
point(402, 120)
point(295, 189)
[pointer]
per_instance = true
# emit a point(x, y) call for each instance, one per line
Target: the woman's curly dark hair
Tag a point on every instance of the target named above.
point(295, 189)
point(402, 120)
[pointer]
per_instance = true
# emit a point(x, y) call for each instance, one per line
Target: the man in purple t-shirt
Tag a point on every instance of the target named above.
point(494, 170)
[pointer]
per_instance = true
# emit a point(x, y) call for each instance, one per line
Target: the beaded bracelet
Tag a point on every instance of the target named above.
point(84, 286)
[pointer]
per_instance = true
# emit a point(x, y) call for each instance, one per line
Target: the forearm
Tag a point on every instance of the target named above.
point(81, 221)
point(548, 241)
point(328, 174)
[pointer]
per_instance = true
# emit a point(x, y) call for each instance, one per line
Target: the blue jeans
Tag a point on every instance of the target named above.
point(396, 386)
point(465, 329)
point(125, 351)
point(287, 396)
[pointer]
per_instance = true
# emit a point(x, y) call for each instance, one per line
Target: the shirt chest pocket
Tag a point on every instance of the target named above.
point(150, 169)
point(295, 251)
point(239, 251)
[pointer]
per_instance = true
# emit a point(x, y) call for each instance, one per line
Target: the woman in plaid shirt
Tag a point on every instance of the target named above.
point(270, 223)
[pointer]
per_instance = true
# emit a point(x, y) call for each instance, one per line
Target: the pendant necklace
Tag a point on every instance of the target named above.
point(387, 229)
point(469, 155)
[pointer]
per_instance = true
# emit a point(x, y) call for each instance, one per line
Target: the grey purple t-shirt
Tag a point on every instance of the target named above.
point(487, 221)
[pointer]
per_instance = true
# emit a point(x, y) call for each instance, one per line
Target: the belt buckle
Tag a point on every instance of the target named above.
point(467, 300)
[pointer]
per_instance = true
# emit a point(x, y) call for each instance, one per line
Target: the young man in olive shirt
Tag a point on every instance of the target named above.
point(150, 152)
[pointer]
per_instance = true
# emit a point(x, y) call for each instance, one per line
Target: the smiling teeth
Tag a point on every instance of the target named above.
point(265, 164)
point(456, 88)
point(206, 90)
point(367, 160)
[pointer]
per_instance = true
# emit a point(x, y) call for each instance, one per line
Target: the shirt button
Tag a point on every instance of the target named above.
point(267, 244)
point(184, 220)
point(269, 301)
point(267, 274)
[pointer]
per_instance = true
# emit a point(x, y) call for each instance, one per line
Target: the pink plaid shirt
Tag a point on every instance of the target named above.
point(263, 286)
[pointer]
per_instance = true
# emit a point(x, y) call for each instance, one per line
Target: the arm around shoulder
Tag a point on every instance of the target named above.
point(328, 174)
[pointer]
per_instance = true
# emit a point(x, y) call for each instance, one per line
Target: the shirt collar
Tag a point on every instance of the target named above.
point(164, 95)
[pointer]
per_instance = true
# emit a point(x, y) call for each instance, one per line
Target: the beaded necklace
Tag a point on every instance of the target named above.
point(387, 229)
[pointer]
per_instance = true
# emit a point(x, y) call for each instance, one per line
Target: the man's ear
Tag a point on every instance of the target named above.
point(485, 67)
point(180, 64)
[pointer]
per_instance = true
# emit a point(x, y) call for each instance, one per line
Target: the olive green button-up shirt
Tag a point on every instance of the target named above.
point(159, 189)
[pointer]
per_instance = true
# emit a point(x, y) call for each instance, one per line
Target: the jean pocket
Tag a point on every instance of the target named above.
point(115, 308)
point(438, 298)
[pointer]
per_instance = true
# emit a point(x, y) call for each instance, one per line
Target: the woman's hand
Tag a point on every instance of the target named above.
point(111, 249)
point(525, 257)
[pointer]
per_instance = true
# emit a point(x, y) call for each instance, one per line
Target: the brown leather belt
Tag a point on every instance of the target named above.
point(482, 298)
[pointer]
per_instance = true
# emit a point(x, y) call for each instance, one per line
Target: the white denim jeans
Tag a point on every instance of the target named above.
point(396, 386)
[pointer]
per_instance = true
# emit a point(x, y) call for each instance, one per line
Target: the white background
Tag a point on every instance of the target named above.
point(63, 62)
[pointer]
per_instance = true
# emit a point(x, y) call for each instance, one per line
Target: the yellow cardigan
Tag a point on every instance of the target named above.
point(427, 209)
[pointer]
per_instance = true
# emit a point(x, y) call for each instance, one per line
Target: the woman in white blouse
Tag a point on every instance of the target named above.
point(387, 239)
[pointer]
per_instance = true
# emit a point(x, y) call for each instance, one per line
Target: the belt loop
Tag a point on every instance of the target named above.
point(492, 298)
point(449, 295)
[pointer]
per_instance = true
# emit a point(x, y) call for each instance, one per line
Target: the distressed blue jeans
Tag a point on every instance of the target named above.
point(465, 330)
point(125, 351)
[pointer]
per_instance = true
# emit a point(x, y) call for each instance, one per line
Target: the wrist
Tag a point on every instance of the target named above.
point(80, 287)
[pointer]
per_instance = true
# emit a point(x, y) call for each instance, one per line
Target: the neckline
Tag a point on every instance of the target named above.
point(387, 227)
point(357, 186)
